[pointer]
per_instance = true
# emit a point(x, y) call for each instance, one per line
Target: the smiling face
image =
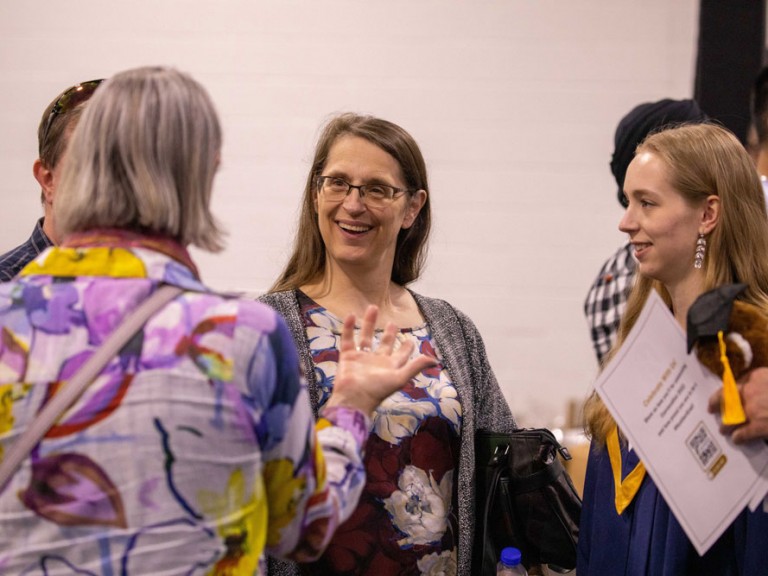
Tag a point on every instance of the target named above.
point(357, 237)
point(663, 227)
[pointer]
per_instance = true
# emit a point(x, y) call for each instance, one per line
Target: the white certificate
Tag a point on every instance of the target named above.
point(658, 395)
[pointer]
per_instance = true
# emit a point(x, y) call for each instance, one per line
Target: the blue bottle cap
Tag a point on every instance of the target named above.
point(510, 556)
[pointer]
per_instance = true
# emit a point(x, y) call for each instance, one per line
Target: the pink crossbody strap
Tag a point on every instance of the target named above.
point(66, 396)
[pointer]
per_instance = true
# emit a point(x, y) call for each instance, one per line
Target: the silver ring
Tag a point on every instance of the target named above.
point(363, 348)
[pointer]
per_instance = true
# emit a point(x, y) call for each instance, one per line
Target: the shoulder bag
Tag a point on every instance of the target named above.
point(525, 499)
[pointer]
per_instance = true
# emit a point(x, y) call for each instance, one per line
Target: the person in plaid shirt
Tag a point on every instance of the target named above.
point(53, 134)
point(607, 296)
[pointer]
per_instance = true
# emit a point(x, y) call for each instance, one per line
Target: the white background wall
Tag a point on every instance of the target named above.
point(514, 103)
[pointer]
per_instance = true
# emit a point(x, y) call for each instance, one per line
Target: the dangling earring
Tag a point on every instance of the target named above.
point(701, 248)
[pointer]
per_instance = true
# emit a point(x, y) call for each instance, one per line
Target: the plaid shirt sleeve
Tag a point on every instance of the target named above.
point(12, 262)
point(607, 299)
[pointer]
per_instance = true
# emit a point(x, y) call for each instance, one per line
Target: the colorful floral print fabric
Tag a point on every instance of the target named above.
point(194, 451)
point(406, 521)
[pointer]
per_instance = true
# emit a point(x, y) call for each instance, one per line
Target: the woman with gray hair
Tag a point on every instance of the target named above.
point(194, 449)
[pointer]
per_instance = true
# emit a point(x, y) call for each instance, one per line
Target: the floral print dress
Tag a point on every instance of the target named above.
point(406, 521)
point(194, 452)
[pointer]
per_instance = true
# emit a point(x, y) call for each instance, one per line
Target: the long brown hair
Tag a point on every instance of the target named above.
point(307, 261)
point(704, 160)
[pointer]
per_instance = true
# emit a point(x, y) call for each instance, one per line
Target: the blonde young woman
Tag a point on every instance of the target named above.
point(362, 238)
point(683, 184)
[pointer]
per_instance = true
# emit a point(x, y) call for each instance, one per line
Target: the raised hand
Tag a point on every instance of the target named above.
point(365, 377)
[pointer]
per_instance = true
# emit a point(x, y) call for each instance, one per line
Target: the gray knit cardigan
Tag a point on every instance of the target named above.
point(483, 404)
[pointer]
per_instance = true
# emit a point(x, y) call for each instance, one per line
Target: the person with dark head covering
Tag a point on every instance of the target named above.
point(607, 296)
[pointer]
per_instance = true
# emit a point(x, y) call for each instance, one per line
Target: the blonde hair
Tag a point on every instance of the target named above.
point(143, 157)
point(307, 261)
point(704, 160)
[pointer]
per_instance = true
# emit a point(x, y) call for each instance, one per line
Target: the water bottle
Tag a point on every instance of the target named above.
point(510, 565)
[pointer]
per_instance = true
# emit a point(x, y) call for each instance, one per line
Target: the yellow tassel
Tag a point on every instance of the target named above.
point(731, 408)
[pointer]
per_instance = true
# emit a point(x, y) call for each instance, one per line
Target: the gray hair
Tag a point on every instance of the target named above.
point(143, 158)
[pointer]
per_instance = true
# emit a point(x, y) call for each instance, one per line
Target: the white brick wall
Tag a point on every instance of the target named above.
point(514, 103)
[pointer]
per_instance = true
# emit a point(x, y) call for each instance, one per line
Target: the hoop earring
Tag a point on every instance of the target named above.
point(701, 248)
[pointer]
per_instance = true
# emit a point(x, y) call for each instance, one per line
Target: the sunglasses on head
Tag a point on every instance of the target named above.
point(70, 99)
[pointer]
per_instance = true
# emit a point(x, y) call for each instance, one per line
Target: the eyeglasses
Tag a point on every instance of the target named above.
point(373, 195)
point(70, 99)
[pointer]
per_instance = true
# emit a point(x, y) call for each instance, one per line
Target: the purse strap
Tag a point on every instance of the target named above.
point(496, 464)
point(67, 395)
point(535, 481)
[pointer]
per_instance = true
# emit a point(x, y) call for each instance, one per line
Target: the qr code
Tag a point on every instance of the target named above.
point(704, 447)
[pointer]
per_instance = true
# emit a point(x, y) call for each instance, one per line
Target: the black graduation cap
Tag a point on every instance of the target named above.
point(711, 311)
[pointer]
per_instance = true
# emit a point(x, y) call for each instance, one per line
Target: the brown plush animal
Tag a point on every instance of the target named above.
point(746, 341)
point(744, 330)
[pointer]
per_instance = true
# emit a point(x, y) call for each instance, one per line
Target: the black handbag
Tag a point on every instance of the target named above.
point(524, 498)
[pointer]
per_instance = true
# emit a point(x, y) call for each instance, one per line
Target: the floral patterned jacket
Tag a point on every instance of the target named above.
point(195, 450)
point(482, 403)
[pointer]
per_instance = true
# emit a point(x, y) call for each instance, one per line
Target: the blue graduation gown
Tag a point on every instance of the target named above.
point(647, 540)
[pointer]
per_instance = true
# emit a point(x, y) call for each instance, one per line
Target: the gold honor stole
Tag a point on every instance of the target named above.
point(626, 490)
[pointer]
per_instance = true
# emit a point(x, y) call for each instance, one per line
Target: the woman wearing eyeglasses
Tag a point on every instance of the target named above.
point(362, 238)
point(195, 449)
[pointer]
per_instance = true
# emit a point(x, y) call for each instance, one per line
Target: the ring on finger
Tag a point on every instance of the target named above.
point(363, 348)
